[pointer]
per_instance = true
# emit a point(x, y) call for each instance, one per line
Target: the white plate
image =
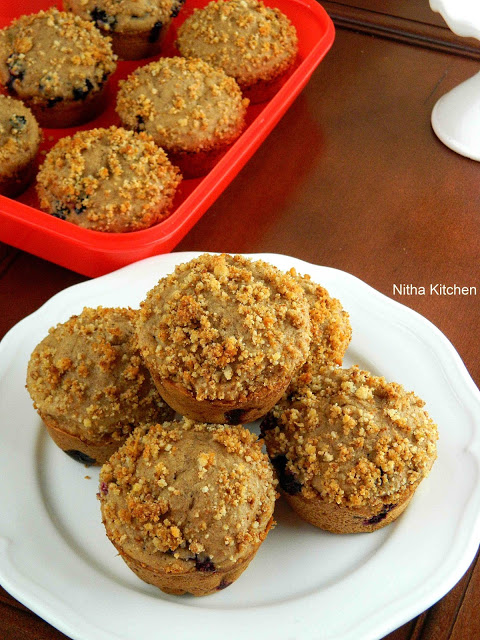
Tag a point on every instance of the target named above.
point(303, 583)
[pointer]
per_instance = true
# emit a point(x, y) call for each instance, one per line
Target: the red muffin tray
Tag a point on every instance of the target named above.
point(94, 253)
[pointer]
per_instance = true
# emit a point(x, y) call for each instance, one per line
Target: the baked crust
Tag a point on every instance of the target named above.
point(253, 407)
point(194, 582)
point(88, 452)
point(336, 518)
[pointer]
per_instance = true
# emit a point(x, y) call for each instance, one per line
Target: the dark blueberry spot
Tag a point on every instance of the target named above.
point(223, 585)
point(80, 93)
point(380, 516)
point(235, 416)
point(268, 423)
point(53, 101)
point(286, 478)
point(176, 8)
point(204, 564)
point(16, 70)
point(140, 123)
point(104, 488)
point(155, 32)
point(80, 457)
point(102, 19)
point(61, 211)
point(79, 207)
point(18, 123)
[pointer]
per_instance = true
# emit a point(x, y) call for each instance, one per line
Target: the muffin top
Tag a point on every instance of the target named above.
point(350, 438)
point(225, 327)
point(331, 330)
point(51, 56)
point(187, 497)
point(248, 40)
point(126, 15)
point(88, 377)
point(107, 179)
point(20, 135)
point(184, 104)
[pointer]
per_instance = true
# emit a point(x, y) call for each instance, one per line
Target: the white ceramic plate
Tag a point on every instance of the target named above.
point(303, 583)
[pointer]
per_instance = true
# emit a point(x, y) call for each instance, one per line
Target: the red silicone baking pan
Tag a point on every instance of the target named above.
point(94, 253)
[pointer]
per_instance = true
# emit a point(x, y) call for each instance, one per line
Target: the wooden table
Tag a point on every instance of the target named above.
point(353, 178)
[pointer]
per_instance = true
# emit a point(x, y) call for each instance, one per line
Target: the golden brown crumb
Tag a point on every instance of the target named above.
point(350, 437)
point(224, 326)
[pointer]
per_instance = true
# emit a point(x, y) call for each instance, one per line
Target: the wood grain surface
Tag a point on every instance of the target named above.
point(353, 178)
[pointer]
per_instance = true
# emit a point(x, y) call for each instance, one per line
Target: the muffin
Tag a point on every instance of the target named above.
point(255, 44)
point(137, 27)
point(188, 505)
point(331, 330)
point(192, 110)
point(20, 138)
point(222, 336)
point(350, 449)
point(89, 385)
point(110, 180)
point(58, 64)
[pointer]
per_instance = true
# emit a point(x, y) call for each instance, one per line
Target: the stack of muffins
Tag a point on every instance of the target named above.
point(179, 115)
point(223, 341)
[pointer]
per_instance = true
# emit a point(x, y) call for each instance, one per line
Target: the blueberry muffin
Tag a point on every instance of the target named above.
point(192, 110)
point(331, 330)
point(350, 449)
point(89, 385)
point(137, 27)
point(222, 337)
point(110, 180)
point(255, 44)
point(188, 505)
point(20, 138)
point(58, 64)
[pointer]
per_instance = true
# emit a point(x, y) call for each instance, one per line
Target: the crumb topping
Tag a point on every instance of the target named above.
point(246, 39)
point(125, 15)
point(88, 377)
point(224, 327)
point(331, 330)
point(184, 104)
point(52, 55)
point(20, 136)
point(353, 438)
point(108, 179)
point(180, 494)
